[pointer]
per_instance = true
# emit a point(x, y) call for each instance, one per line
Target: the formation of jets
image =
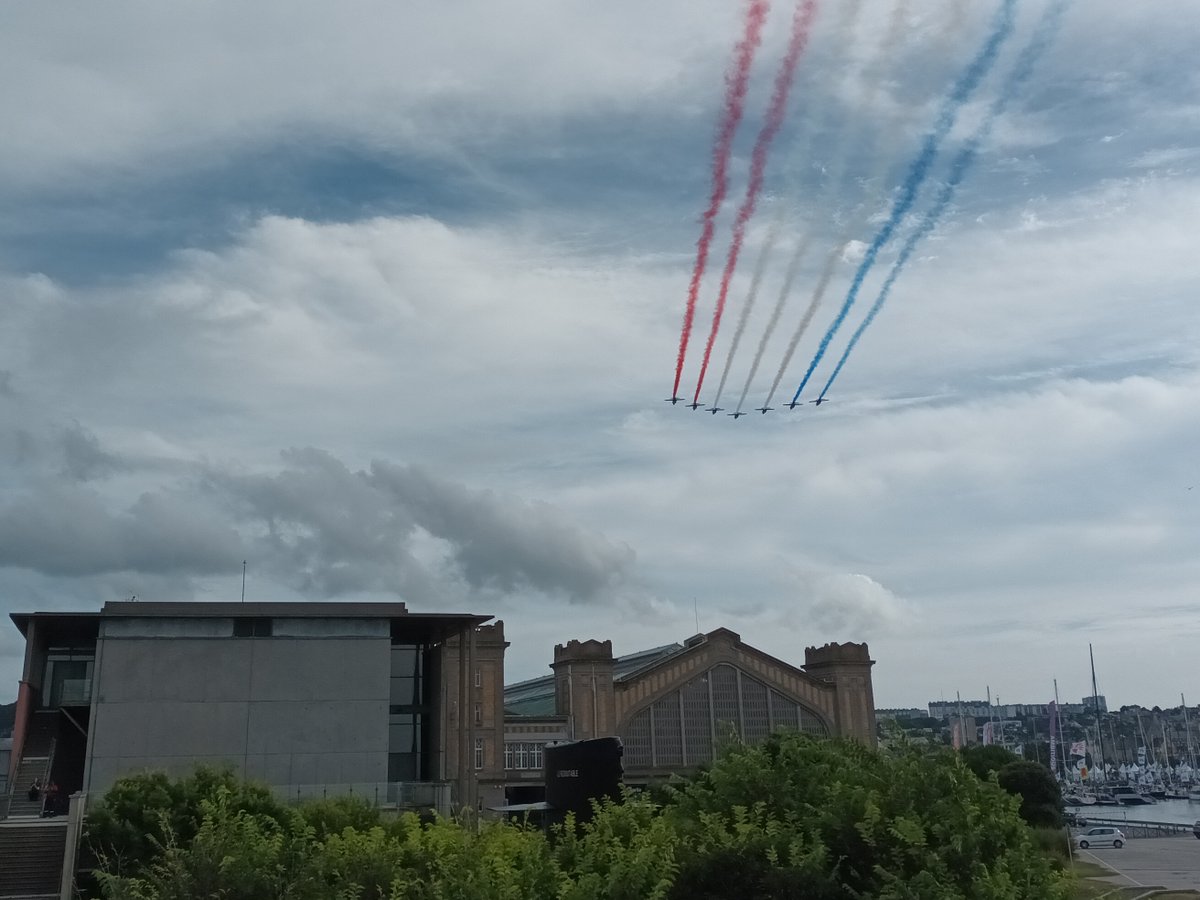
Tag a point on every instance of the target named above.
point(737, 414)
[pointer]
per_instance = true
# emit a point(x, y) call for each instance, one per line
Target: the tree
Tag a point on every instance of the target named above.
point(1041, 798)
point(856, 823)
point(983, 759)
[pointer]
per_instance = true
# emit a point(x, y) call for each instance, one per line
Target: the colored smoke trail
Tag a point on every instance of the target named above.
point(813, 304)
point(760, 269)
point(785, 291)
point(802, 19)
point(873, 71)
point(737, 82)
point(844, 25)
point(1046, 30)
point(919, 170)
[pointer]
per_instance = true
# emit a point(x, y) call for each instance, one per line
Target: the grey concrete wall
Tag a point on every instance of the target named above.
point(283, 710)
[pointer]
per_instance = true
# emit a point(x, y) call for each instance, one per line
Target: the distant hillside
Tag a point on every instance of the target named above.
point(8, 715)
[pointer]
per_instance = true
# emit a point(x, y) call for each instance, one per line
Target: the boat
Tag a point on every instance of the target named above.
point(1194, 794)
point(1127, 795)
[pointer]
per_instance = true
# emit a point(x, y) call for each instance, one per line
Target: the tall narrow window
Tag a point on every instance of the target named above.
point(478, 677)
point(479, 753)
point(478, 713)
point(508, 755)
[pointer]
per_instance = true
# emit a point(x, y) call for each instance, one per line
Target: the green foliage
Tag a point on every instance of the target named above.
point(1041, 797)
point(914, 824)
point(627, 852)
point(1052, 843)
point(142, 813)
point(792, 819)
point(336, 814)
point(983, 759)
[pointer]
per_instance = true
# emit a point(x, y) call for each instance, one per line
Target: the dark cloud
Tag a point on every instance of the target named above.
point(64, 529)
point(83, 457)
point(394, 525)
point(316, 526)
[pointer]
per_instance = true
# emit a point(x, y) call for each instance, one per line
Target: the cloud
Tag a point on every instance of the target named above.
point(367, 531)
point(850, 604)
point(316, 525)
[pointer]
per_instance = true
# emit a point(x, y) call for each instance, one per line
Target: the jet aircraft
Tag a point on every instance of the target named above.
point(820, 400)
point(738, 414)
point(715, 409)
point(673, 400)
point(765, 409)
point(695, 404)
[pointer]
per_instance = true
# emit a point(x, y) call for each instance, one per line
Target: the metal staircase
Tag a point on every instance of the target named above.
point(32, 768)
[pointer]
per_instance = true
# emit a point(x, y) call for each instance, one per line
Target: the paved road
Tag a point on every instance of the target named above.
point(1167, 862)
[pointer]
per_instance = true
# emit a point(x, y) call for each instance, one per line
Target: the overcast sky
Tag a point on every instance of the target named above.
point(386, 302)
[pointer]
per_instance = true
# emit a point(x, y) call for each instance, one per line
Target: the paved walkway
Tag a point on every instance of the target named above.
point(1148, 862)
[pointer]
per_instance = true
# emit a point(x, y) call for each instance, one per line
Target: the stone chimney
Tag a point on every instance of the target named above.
point(583, 688)
point(848, 668)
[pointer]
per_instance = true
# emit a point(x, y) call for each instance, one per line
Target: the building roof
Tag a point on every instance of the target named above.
point(441, 623)
point(535, 697)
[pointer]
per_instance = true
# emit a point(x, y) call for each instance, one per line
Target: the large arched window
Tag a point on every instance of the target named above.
point(682, 727)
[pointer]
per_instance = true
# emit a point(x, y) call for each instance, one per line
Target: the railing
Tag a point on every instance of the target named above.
point(1139, 829)
point(46, 776)
point(401, 795)
point(72, 692)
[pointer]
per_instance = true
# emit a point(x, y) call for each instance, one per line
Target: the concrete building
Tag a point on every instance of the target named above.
point(672, 706)
point(311, 698)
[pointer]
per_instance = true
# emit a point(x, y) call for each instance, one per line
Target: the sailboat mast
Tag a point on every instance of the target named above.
point(1096, 703)
point(1062, 747)
point(1187, 732)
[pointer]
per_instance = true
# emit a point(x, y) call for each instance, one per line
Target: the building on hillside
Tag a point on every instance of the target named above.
point(312, 698)
point(673, 705)
point(885, 715)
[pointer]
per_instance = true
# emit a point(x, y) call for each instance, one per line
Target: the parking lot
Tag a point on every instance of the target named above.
point(1172, 862)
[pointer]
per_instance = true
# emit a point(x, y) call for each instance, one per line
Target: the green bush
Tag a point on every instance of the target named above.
point(792, 819)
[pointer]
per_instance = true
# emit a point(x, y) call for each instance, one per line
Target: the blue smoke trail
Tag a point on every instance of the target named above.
point(1044, 35)
point(1002, 27)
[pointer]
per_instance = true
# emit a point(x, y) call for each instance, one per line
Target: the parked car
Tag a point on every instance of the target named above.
point(1101, 836)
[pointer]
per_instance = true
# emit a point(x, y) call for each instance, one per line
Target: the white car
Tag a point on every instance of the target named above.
point(1101, 836)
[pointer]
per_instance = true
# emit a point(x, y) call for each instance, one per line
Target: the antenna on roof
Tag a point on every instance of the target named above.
point(696, 610)
point(243, 581)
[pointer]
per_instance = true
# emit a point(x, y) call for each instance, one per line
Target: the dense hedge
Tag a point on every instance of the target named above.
point(791, 818)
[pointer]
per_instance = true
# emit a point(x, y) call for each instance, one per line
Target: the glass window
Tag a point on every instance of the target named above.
point(479, 753)
point(508, 755)
point(247, 627)
point(478, 678)
point(406, 659)
point(478, 713)
point(522, 760)
point(404, 692)
point(535, 756)
point(402, 767)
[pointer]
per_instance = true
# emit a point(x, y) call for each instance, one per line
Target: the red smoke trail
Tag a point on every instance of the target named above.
point(801, 25)
point(737, 80)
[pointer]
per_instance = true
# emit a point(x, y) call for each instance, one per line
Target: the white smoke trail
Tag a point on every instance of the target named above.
point(760, 268)
point(844, 25)
point(814, 303)
point(871, 83)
